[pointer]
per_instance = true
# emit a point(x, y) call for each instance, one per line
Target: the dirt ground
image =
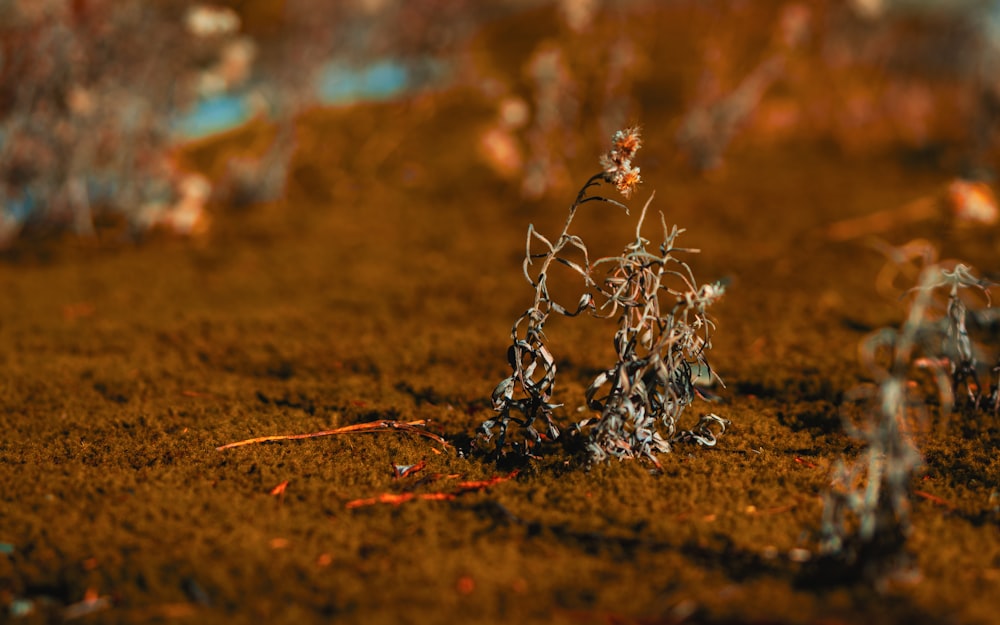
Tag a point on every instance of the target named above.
point(384, 287)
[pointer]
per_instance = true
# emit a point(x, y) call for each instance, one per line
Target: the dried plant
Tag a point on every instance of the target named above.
point(724, 105)
point(96, 96)
point(956, 346)
point(528, 390)
point(656, 344)
point(866, 516)
point(79, 128)
point(866, 512)
point(946, 342)
point(663, 334)
point(551, 137)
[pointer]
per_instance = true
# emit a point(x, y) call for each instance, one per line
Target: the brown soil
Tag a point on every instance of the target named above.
point(384, 288)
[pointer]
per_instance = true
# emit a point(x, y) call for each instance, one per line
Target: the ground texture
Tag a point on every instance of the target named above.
point(384, 288)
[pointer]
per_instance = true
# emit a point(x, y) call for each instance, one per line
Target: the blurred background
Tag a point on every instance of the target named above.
point(119, 118)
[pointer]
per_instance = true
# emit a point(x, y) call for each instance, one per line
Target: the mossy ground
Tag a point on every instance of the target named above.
point(384, 288)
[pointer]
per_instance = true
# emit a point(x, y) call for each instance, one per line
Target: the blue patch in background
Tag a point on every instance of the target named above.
point(340, 83)
point(213, 115)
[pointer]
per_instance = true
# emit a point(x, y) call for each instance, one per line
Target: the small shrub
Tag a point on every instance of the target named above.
point(662, 338)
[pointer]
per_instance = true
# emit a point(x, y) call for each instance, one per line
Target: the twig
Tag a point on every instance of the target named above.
point(402, 470)
point(415, 427)
point(461, 489)
point(753, 511)
point(396, 500)
point(933, 499)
